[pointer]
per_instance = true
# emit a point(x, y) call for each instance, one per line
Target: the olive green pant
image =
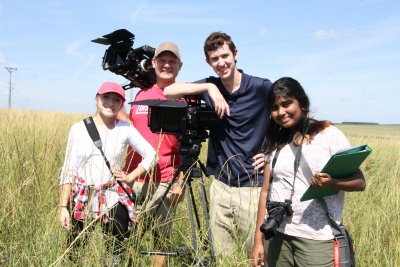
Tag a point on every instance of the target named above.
point(284, 251)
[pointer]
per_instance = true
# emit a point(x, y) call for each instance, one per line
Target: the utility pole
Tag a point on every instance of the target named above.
point(10, 70)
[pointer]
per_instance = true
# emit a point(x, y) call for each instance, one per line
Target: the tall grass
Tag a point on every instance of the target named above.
point(373, 216)
point(31, 151)
point(32, 146)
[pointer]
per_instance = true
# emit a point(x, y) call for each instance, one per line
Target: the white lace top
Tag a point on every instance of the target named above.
point(309, 219)
point(83, 159)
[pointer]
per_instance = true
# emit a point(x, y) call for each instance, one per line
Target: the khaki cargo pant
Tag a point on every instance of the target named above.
point(233, 213)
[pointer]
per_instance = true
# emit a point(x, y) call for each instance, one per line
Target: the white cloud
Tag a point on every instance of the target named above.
point(263, 31)
point(344, 75)
point(331, 34)
point(89, 61)
point(135, 14)
point(73, 49)
point(178, 14)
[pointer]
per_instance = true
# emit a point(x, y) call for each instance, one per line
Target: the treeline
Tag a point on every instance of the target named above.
point(360, 123)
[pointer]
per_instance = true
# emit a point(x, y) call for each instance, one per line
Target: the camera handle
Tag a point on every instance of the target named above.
point(189, 152)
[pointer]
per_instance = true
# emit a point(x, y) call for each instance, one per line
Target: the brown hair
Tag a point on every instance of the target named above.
point(217, 39)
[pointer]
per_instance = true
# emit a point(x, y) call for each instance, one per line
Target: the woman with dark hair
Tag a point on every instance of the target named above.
point(304, 238)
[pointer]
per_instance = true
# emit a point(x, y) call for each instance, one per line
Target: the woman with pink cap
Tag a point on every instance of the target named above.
point(97, 194)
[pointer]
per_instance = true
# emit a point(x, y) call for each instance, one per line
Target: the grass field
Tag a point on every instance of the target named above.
point(373, 216)
point(32, 146)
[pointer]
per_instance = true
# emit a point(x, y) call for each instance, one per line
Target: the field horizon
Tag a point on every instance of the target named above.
point(32, 147)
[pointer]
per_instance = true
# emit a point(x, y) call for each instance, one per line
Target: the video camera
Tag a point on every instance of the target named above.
point(121, 59)
point(187, 119)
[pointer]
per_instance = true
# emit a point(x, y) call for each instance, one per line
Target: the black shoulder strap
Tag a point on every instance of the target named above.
point(94, 134)
point(335, 227)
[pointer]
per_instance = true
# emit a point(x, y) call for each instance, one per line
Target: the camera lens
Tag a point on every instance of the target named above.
point(268, 228)
point(275, 218)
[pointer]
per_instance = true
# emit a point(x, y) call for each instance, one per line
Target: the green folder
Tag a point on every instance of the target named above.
point(341, 165)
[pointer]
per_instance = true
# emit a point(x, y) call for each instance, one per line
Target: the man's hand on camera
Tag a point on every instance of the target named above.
point(220, 104)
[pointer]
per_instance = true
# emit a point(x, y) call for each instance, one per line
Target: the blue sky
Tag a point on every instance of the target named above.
point(346, 54)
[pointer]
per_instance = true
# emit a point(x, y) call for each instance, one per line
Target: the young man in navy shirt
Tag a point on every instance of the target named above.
point(235, 146)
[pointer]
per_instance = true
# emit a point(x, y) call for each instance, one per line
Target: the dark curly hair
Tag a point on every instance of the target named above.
point(307, 127)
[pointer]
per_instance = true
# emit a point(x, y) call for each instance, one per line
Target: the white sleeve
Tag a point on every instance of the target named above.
point(137, 142)
point(70, 167)
point(337, 140)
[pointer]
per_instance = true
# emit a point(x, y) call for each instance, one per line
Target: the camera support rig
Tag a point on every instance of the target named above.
point(188, 120)
point(192, 167)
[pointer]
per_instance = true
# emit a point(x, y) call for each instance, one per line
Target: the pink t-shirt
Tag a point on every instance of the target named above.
point(166, 145)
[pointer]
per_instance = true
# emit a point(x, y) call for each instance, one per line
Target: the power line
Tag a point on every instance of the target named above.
point(10, 70)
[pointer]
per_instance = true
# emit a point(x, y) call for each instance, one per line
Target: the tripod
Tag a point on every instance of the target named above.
point(189, 149)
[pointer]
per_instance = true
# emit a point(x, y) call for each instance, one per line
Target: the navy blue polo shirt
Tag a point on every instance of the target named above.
point(239, 137)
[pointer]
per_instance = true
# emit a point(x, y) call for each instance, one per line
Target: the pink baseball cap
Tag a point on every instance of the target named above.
point(111, 87)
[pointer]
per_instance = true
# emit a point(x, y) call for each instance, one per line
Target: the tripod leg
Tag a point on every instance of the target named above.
point(203, 190)
point(190, 208)
point(196, 213)
point(207, 219)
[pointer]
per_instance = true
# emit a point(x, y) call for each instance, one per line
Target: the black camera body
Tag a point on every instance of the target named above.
point(121, 59)
point(179, 118)
point(276, 213)
point(182, 118)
